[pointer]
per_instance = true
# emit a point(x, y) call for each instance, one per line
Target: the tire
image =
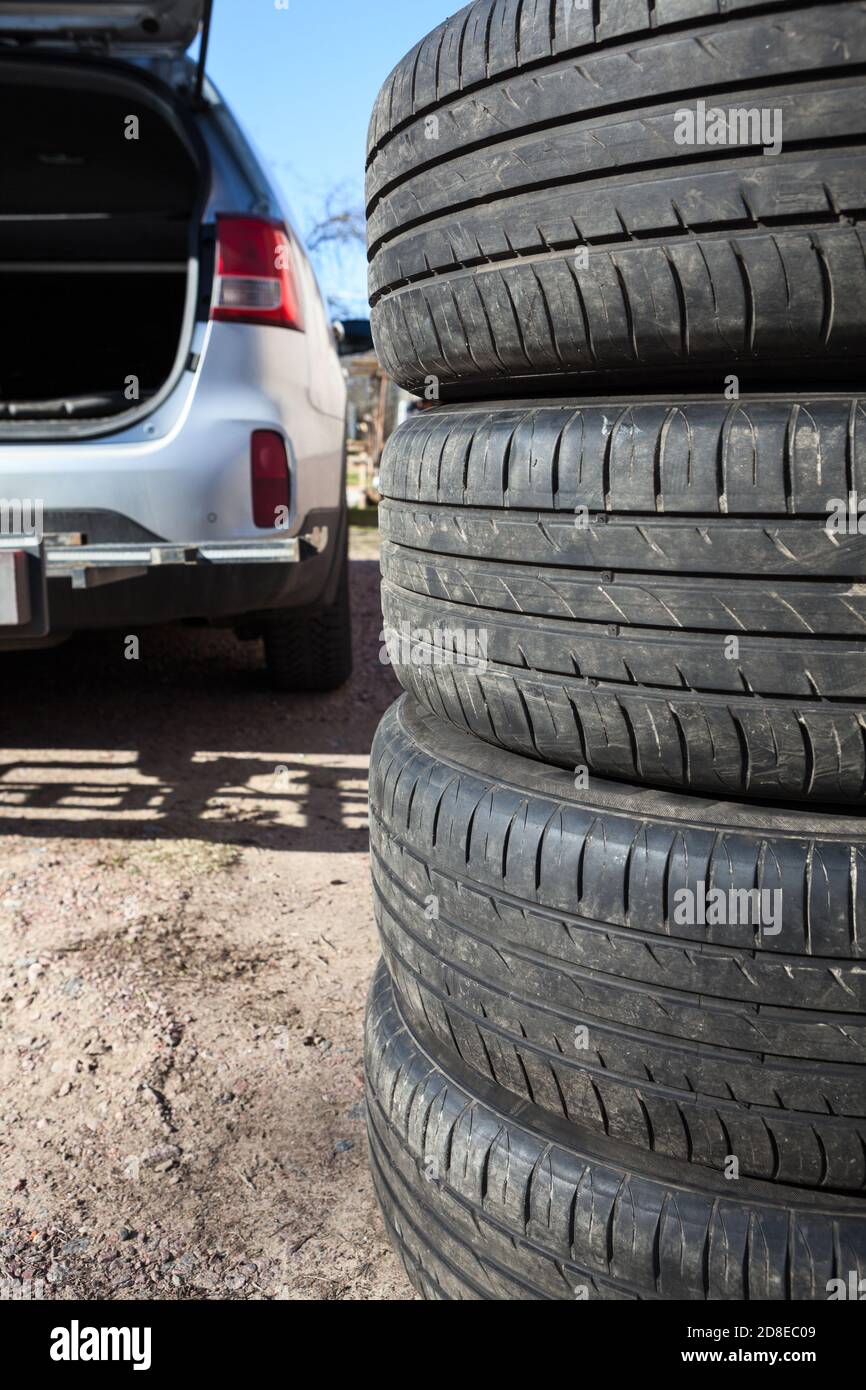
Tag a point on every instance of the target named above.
point(700, 629)
point(535, 932)
point(313, 654)
point(488, 1198)
point(521, 136)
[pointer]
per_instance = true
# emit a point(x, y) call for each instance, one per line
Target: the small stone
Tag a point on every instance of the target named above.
point(76, 1246)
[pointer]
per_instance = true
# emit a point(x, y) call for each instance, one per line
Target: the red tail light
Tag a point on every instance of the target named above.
point(271, 479)
point(256, 279)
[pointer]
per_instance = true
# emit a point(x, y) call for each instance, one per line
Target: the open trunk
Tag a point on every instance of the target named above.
point(98, 240)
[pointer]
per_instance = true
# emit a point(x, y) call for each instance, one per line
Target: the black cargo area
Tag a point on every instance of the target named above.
point(95, 240)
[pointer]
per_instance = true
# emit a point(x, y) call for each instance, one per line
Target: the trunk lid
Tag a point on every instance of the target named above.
point(123, 26)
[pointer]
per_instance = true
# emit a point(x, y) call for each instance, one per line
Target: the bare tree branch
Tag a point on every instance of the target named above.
point(342, 225)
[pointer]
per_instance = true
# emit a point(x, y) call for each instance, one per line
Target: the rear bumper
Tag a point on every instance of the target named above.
point(92, 566)
point(184, 472)
point(143, 583)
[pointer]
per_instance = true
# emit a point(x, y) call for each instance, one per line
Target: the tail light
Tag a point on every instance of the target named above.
point(271, 478)
point(256, 277)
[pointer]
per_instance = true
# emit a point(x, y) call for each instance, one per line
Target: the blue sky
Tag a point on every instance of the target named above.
point(303, 80)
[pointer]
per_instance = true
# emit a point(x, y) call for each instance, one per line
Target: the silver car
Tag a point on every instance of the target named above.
point(172, 404)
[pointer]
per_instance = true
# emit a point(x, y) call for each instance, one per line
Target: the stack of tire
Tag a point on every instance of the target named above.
point(617, 1045)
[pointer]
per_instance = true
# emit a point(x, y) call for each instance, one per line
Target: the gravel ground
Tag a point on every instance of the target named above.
point(186, 940)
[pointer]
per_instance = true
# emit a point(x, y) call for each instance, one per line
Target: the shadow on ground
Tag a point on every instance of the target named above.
point(189, 741)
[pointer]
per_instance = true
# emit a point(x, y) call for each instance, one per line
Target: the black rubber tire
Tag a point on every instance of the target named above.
point(488, 1198)
point(608, 645)
point(312, 654)
point(555, 910)
point(523, 131)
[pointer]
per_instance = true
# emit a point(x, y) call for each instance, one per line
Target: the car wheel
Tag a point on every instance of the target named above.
point(312, 654)
point(487, 1197)
point(545, 199)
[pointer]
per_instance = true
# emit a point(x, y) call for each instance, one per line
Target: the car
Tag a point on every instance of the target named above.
point(172, 402)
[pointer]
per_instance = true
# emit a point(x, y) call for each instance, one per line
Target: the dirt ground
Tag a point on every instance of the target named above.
point(186, 940)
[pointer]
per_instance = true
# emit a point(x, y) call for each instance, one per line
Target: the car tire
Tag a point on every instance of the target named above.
point(536, 211)
point(649, 591)
point(489, 1198)
point(312, 654)
point(542, 934)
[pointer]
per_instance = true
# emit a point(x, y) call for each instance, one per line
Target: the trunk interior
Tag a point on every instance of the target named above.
point(96, 231)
